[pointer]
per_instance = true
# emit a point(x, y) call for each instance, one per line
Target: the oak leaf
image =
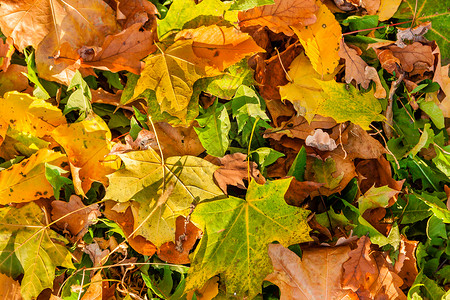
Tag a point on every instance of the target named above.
point(317, 275)
point(146, 177)
point(280, 16)
point(74, 215)
point(87, 143)
point(171, 73)
point(236, 234)
point(321, 40)
point(26, 181)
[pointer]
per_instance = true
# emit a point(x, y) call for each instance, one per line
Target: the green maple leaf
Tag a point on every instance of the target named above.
point(145, 177)
point(323, 172)
point(28, 246)
point(376, 197)
point(237, 233)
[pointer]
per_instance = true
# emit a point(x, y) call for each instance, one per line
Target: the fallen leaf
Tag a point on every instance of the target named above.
point(13, 79)
point(121, 51)
point(444, 105)
point(207, 292)
point(387, 9)
point(130, 12)
point(317, 275)
point(321, 41)
point(356, 68)
point(221, 46)
point(25, 182)
point(376, 172)
point(87, 143)
point(30, 247)
point(126, 221)
point(348, 104)
point(406, 264)
point(96, 254)
point(6, 51)
point(361, 145)
point(377, 197)
point(252, 223)
point(74, 215)
point(171, 73)
point(178, 140)
point(280, 16)
point(302, 90)
point(186, 236)
point(9, 288)
point(299, 190)
point(233, 170)
point(147, 176)
point(412, 34)
point(95, 289)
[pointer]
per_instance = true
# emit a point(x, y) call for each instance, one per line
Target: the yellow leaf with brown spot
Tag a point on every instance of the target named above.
point(25, 181)
point(221, 46)
point(87, 144)
point(321, 40)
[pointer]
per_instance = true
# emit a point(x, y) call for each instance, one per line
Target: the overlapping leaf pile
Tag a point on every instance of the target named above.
point(198, 150)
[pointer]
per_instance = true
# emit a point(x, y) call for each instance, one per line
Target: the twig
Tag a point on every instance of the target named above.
point(389, 114)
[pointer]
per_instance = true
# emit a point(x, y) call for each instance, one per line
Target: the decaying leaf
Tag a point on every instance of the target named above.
point(251, 224)
point(74, 215)
point(280, 16)
point(317, 275)
point(186, 236)
point(233, 170)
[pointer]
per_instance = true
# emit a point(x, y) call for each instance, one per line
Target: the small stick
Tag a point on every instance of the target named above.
point(389, 114)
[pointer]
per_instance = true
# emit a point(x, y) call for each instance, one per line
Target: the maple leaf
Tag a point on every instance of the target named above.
point(87, 143)
point(279, 16)
point(28, 246)
point(252, 223)
point(302, 90)
point(221, 46)
point(26, 181)
point(171, 73)
point(317, 275)
point(146, 176)
point(346, 103)
point(321, 40)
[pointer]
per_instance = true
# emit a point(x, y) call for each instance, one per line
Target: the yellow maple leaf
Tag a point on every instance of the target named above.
point(25, 182)
point(87, 144)
point(321, 40)
point(171, 73)
point(302, 90)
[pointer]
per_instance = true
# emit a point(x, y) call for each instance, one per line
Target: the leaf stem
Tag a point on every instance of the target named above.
point(373, 28)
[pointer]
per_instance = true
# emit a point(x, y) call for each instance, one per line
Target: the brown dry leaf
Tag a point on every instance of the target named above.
point(271, 74)
point(445, 86)
point(96, 254)
point(361, 145)
point(95, 290)
point(376, 172)
point(412, 34)
point(178, 140)
point(359, 267)
point(299, 190)
point(121, 51)
point(209, 290)
point(317, 275)
point(126, 221)
point(368, 273)
point(13, 79)
point(298, 127)
point(356, 68)
point(79, 220)
point(280, 16)
point(233, 170)
point(186, 235)
point(415, 58)
point(131, 12)
point(9, 288)
point(406, 265)
point(221, 46)
point(371, 6)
